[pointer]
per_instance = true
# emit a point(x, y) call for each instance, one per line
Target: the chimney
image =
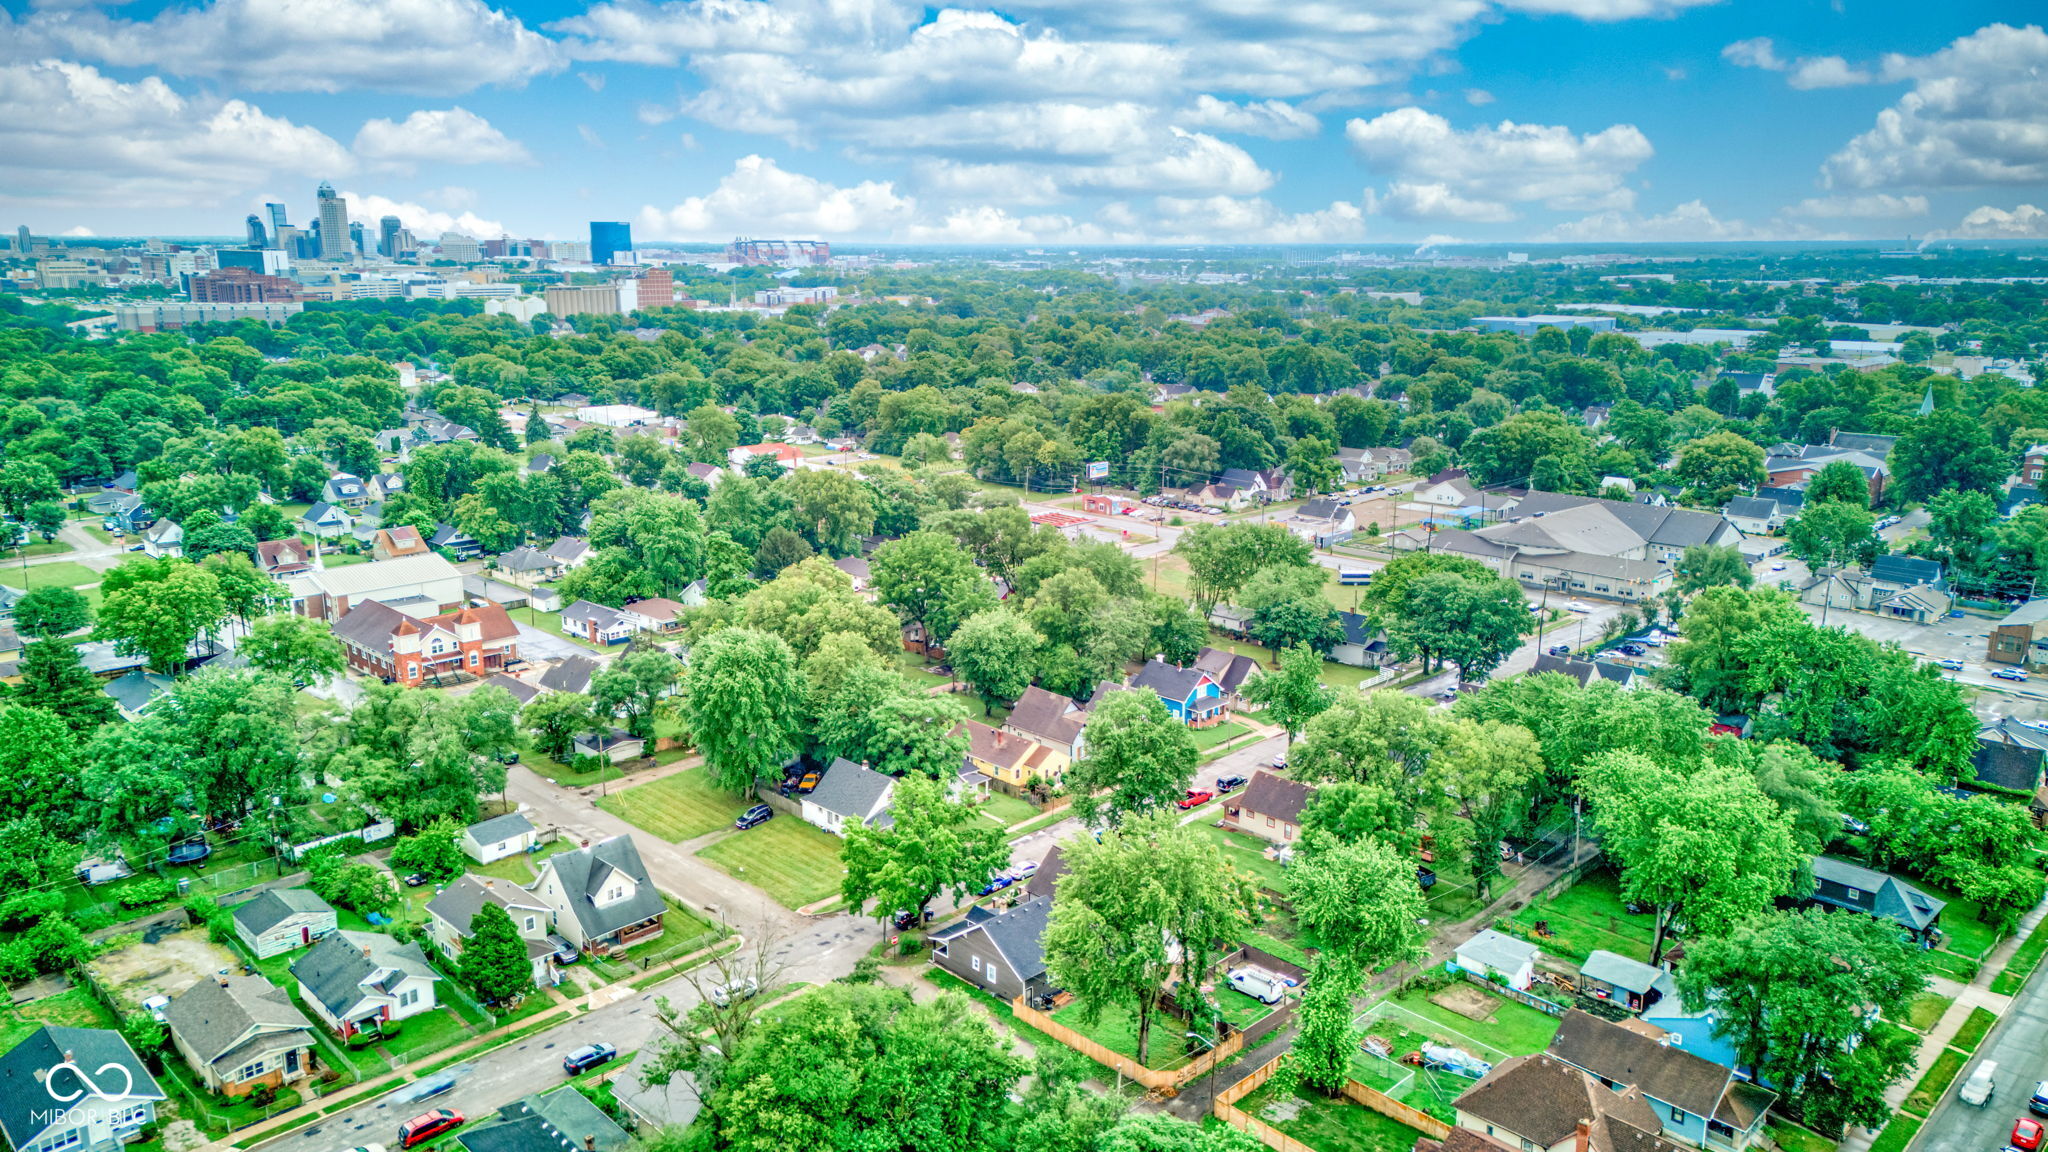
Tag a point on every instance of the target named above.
point(70, 1057)
point(366, 951)
point(590, 1143)
point(1582, 1137)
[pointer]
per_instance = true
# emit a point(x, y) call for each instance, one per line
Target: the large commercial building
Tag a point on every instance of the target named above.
point(460, 248)
point(608, 238)
point(1527, 325)
point(781, 253)
point(596, 299)
point(656, 288)
point(267, 261)
point(258, 236)
point(242, 286)
point(173, 314)
point(334, 241)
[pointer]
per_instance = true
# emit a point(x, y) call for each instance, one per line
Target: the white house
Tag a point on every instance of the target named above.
point(848, 792)
point(163, 539)
point(324, 521)
point(1493, 953)
point(104, 1110)
point(283, 919)
point(361, 981)
point(599, 898)
point(614, 744)
point(452, 911)
point(596, 623)
point(498, 837)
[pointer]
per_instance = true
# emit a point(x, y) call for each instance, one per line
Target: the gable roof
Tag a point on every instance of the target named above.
point(1170, 681)
point(1664, 525)
point(499, 828)
point(1003, 749)
point(1048, 716)
point(850, 790)
point(571, 674)
point(1050, 869)
point(1891, 897)
point(561, 1120)
point(1229, 669)
point(276, 906)
point(1754, 507)
point(403, 540)
point(324, 513)
point(1276, 796)
point(1621, 971)
point(583, 872)
point(1671, 1075)
point(286, 552)
point(598, 614)
point(134, 692)
point(657, 608)
point(568, 548)
point(459, 902)
point(379, 575)
point(1895, 568)
point(1543, 1099)
point(522, 692)
point(29, 1077)
point(211, 1019)
point(1322, 508)
point(342, 970)
point(1017, 935)
point(1499, 950)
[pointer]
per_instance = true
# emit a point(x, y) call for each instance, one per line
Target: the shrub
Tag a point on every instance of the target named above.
point(146, 891)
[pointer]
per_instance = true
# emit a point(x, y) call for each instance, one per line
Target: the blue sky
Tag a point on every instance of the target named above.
point(1037, 122)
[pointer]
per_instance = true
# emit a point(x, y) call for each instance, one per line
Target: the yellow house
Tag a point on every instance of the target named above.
point(1012, 760)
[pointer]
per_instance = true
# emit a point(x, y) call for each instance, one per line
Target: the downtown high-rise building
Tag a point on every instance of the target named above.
point(258, 236)
point(23, 240)
point(388, 229)
point(608, 238)
point(334, 241)
point(276, 211)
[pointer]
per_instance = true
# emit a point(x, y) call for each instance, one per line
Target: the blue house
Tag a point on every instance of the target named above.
point(1190, 694)
point(1699, 1102)
point(1694, 1031)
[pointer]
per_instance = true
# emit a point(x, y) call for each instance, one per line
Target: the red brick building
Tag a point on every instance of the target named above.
point(450, 648)
point(657, 289)
point(242, 286)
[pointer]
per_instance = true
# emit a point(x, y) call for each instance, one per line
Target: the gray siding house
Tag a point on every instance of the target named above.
point(997, 951)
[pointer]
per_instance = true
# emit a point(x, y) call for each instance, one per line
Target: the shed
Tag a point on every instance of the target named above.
point(1492, 954)
point(283, 919)
point(498, 837)
point(1612, 976)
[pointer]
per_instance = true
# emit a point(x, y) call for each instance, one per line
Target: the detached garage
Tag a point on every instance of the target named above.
point(278, 921)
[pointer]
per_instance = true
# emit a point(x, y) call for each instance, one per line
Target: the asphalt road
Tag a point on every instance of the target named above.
point(819, 954)
point(2020, 1046)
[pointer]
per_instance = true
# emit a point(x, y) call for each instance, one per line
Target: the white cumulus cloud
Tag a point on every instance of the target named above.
point(759, 197)
point(451, 136)
point(419, 219)
point(1973, 117)
point(1606, 9)
point(1692, 220)
point(310, 45)
point(1481, 173)
point(1875, 206)
point(2024, 222)
point(1274, 119)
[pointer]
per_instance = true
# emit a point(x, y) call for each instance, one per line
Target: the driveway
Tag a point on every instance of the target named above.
point(535, 644)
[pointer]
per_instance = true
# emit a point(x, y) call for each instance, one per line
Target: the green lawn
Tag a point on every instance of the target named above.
point(1006, 809)
point(96, 532)
point(521, 868)
point(551, 623)
point(427, 1033)
point(1975, 1025)
point(1965, 934)
point(1926, 1010)
point(1790, 1137)
point(679, 807)
point(1217, 734)
point(73, 1008)
point(63, 574)
point(2023, 961)
point(1339, 676)
point(1958, 968)
point(1940, 1074)
point(1332, 1125)
point(786, 858)
point(1513, 1028)
point(1587, 916)
point(1247, 854)
point(44, 548)
point(1117, 1030)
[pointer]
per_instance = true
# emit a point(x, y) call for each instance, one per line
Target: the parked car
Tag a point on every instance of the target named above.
point(421, 1129)
point(2026, 1134)
point(2039, 1104)
point(808, 783)
point(135, 547)
point(905, 921)
point(744, 988)
point(587, 1057)
point(1196, 798)
point(1257, 985)
point(758, 814)
point(1559, 650)
point(1949, 665)
point(1232, 783)
point(415, 879)
point(1631, 649)
point(1024, 871)
point(997, 883)
point(1280, 761)
point(2019, 674)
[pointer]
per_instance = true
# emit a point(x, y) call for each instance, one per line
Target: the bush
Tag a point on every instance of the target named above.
point(25, 908)
point(146, 891)
point(589, 763)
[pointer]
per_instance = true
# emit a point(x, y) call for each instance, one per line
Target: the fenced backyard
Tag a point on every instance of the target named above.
point(1404, 1031)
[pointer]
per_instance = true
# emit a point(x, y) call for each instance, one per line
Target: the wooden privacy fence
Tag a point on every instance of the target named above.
point(1129, 1068)
point(1226, 1110)
point(1550, 1007)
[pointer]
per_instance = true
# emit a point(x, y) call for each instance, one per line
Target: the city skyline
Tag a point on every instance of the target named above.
point(1048, 122)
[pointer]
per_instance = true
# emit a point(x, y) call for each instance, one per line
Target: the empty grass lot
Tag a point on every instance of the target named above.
point(1587, 916)
point(1513, 1028)
point(1925, 1010)
point(1247, 855)
point(1117, 1030)
point(1321, 1122)
point(679, 807)
point(793, 862)
point(1006, 809)
point(63, 574)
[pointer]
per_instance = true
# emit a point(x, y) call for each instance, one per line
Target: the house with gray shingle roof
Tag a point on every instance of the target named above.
point(849, 792)
point(498, 837)
point(104, 1113)
point(570, 674)
point(362, 981)
point(559, 1121)
point(453, 910)
point(282, 919)
point(999, 952)
point(599, 897)
point(239, 1033)
point(596, 623)
point(135, 693)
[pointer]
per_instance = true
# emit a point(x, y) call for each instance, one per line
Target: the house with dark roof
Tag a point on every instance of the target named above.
point(1044, 881)
point(570, 674)
point(998, 952)
point(458, 646)
point(522, 692)
point(1363, 645)
point(1051, 719)
point(1268, 807)
point(1541, 1103)
point(455, 542)
point(599, 897)
point(239, 1033)
point(344, 490)
point(135, 693)
point(1757, 515)
point(452, 913)
point(1191, 695)
point(164, 540)
point(1010, 759)
point(490, 840)
point(283, 557)
point(363, 981)
point(2009, 764)
point(1896, 572)
point(527, 565)
point(324, 521)
point(561, 1120)
point(99, 1111)
point(2021, 638)
point(1695, 1100)
point(856, 569)
point(849, 793)
point(1231, 671)
point(1589, 672)
point(1323, 522)
point(596, 623)
point(1854, 888)
point(282, 919)
point(614, 744)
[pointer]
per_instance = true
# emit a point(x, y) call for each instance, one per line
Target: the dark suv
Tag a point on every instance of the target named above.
point(758, 814)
